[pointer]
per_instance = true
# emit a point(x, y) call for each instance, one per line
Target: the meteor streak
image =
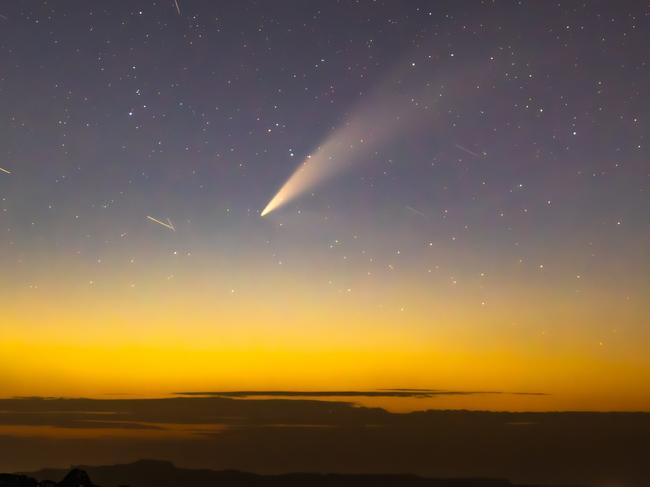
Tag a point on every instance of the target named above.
point(4, 170)
point(166, 225)
point(415, 210)
point(465, 149)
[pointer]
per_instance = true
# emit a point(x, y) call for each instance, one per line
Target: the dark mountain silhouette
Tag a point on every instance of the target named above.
point(9, 480)
point(274, 436)
point(74, 478)
point(153, 473)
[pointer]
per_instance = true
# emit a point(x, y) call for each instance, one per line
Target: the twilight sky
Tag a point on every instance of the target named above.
point(476, 218)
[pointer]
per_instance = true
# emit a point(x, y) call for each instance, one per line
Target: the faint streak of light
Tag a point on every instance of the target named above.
point(177, 7)
point(382, 115)
point(369, 127)
point(415, 210)
point(4, 17)
point(465, 149)
point(4, 170)
point(166, 225)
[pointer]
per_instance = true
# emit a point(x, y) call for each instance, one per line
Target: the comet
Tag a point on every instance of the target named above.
point(168, 225)
point(5, 170)
point(345, 147)
point(380, 118)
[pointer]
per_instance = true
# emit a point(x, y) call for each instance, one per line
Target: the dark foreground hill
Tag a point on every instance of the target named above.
point(293, 435)
point(151, 473)
point(74, 478)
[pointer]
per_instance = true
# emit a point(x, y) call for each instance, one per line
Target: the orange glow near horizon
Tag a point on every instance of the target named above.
point(156, 339)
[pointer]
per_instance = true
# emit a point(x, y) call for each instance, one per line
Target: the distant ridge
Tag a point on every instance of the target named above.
point(157, 473)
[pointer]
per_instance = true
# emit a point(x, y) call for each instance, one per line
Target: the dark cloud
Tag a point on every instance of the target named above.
point(418, 393)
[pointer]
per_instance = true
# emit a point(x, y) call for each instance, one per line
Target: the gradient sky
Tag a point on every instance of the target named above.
point(494, 238)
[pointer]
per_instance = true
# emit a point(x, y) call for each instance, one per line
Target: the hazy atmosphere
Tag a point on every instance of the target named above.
point(373, 208)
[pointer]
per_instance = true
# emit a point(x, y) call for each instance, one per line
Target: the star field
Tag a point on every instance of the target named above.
point(499, 215)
